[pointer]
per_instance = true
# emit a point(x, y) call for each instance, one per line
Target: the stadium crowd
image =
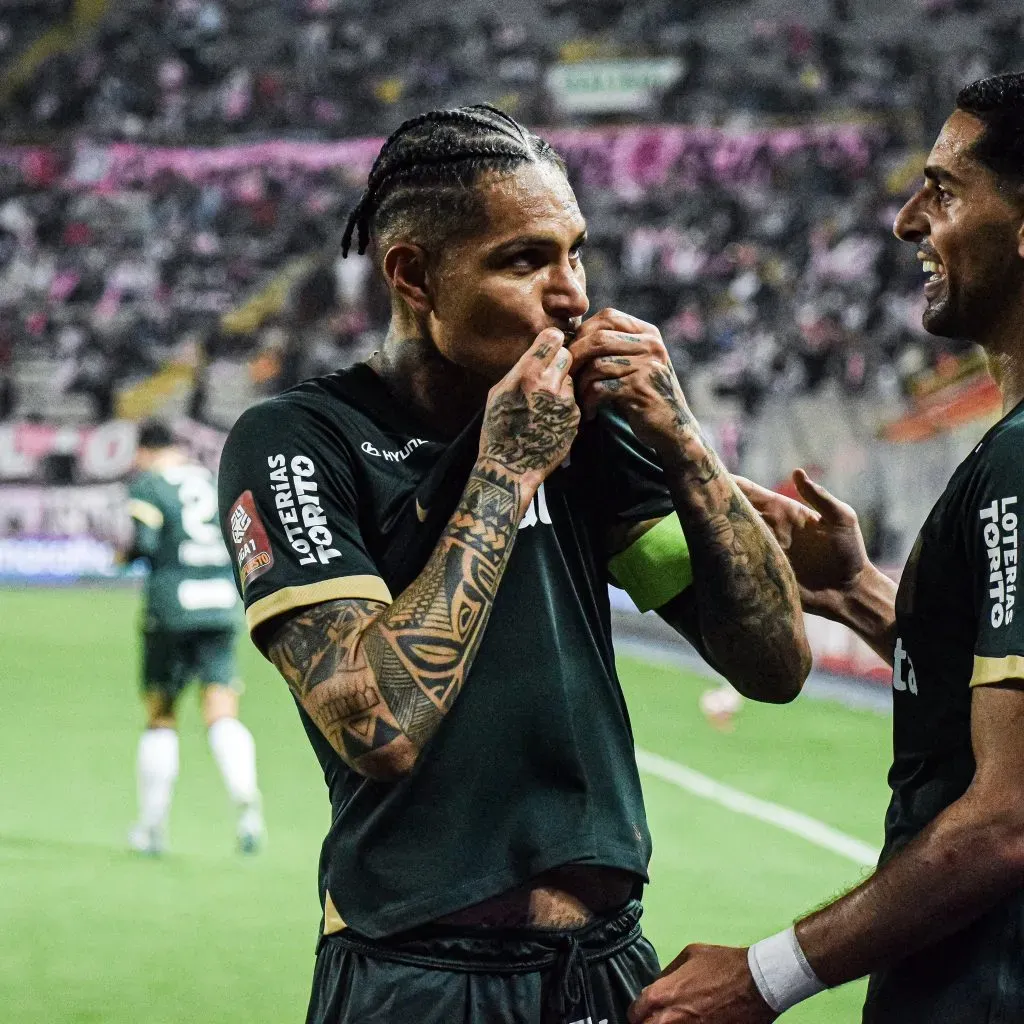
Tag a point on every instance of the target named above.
point(777, 277)
point(187, 71)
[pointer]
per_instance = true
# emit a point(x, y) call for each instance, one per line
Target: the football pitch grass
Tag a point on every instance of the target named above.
point(92, 934)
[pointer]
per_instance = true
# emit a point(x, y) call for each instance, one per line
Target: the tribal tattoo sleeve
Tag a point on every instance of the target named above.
point(378, 679)
point(747, 597)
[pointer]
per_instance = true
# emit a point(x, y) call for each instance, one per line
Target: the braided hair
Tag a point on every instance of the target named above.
point(422, 180)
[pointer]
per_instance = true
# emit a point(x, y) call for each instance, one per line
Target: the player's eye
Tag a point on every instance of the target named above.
point(527, 259)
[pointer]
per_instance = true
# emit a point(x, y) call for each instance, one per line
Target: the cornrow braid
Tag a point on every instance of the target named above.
point(422, 179)
point(511, 122)
point(464, 115)
point(409, 164)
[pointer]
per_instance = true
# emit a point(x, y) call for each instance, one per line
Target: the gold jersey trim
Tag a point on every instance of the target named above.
point(333, 921)
point(366, 588)
point(147, 514)
point(997, 670)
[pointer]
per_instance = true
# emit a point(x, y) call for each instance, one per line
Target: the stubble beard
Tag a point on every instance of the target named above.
point(939, 319)
point(972, 313)
point(962, 320)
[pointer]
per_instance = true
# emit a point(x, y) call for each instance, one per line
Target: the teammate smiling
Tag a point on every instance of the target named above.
point(940, 925)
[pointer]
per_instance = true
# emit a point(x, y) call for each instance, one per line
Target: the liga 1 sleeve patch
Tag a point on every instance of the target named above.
point(253, 553)
point(655, 567)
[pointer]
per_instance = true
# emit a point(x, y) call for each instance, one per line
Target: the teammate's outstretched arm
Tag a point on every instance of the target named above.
point(969, 857)
point(746, 597)
point(823, 543)
point(377, 679)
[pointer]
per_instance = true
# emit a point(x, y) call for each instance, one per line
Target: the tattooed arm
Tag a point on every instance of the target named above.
point(378, 679)
point(746, 597)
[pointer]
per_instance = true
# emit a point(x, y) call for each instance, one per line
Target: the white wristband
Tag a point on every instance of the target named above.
point(781, 971)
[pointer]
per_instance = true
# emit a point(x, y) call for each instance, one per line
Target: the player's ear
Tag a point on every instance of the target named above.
point(405, 268)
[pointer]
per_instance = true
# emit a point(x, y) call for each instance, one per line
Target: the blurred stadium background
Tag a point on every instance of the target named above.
point(173, 179)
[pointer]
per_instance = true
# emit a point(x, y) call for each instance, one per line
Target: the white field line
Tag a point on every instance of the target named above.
point(808, 828)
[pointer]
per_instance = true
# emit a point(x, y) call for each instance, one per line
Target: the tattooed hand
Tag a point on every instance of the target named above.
point(744, 590)
point(622, 360)
point(531, 416)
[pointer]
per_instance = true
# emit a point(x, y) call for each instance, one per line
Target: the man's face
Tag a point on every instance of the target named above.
point(494, 292)
point(967, 235)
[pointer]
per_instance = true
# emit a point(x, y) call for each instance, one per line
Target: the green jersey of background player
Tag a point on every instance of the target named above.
point(940, 925)
point(424, 543)
point(189, 626)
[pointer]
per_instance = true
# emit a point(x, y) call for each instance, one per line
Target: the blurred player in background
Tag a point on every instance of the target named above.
point(424, 543)
point(940, 925)
point(189, 627)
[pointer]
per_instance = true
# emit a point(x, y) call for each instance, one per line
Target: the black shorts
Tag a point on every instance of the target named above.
point(440, 974)
point(170, 661)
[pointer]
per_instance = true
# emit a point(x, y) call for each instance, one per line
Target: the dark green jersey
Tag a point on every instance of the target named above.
point(958, 626)
point(334, 490)
point(190, 586)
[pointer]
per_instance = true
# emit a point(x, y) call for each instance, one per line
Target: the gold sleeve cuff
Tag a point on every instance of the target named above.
point(364, 588)
point(997, 670)
point(147, 514)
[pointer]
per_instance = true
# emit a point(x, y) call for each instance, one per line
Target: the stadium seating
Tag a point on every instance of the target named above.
point(768, 264)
